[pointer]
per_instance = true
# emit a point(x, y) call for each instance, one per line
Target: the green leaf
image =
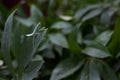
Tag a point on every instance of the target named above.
point(35, 17)
point(66, 68)
point(105, 18)
point(104, 37)
point(91, 14)
point(81, 12)
point(64, 26)
point(105, 71)
point(25, 45)
point(96, 52)
point(114, 44)
point(61, 25)
point(6, 43)
point(95, 69)
point(26, 22)
point(79, 37)
point(51, 4)
point(118, 55)
point(33, 68)
point(73, 46)
point(89, 72)
point(107, 15)
point(58, 39)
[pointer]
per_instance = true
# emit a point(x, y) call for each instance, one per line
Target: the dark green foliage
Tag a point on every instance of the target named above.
point(24, 46)
point(81, 43)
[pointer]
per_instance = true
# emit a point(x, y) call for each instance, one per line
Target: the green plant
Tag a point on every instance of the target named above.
point(23, 65)
point(82, 41)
